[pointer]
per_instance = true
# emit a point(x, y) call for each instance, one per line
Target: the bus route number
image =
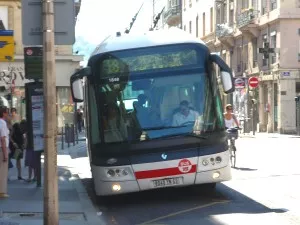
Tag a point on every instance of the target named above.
point(114, 79)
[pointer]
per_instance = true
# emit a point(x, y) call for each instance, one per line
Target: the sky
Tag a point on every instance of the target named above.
point(99, 18)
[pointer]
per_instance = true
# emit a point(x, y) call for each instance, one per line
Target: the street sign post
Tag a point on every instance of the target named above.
point(32, 29)
point(253, 82)
point(33, 60)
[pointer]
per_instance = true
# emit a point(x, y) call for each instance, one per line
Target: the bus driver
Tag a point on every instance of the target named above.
point(185, 114)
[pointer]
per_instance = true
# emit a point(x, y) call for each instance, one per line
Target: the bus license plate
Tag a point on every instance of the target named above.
point(168, 182)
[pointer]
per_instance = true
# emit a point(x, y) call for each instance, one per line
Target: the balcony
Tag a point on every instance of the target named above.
point(209, 39)
point(225, 34)
point(247, 22)
point(173, 16)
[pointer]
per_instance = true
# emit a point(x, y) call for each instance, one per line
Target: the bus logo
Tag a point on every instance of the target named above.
point(185, 166)
point(164, 156)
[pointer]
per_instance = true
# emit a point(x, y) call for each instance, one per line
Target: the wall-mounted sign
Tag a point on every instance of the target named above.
point(239, 83)
point(285, 74)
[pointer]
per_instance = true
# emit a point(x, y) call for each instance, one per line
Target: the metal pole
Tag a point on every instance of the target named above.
point(50, 121)
point(62, 138)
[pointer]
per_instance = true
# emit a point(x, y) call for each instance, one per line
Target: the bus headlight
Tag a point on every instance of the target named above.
point(205, 162)
point(116, 187)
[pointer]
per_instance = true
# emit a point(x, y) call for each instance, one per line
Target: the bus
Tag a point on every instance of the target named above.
point(153, 112)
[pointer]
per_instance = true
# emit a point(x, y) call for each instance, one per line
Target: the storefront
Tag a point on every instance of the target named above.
point(12, 80)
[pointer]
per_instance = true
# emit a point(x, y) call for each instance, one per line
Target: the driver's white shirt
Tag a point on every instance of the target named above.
point(180, 119)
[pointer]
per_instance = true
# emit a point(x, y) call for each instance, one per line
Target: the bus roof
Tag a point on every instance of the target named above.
point(151, 38)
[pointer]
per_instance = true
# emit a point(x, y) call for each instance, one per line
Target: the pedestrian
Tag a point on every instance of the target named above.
point(4, 151)
point(79, 118)
point(30, 156)
point(15, 118)
point(16, 146)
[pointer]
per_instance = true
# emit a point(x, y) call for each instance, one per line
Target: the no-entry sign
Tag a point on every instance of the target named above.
point(253, 82)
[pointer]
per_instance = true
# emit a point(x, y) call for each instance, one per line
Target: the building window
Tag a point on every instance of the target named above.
point(273, 4)
point(211, 19)
point(218, 14)
point(231, 14)
point(265, 61)
point(264, 7)
point(254, 52)
point(273, 44)
point(203, 25)
point(225, 13)
point(197, 26)
point(184, 4)
point(254, 4)
point(184, 27)
point(65, 106)
point(239, 57)
point(245, 4)
point(190, 27)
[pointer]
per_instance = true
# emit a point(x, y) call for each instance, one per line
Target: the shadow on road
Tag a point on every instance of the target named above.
point(244, 169)
point(181, 203)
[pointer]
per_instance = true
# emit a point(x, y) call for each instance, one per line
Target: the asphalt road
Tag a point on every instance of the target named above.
point(264, 190)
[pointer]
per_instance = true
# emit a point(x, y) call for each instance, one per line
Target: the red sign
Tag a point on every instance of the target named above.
point(253, 82)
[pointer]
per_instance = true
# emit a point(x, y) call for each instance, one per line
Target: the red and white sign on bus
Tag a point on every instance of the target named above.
point(253, 82)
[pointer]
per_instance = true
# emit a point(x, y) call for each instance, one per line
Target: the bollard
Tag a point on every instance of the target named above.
point(62, 138)
point(73, 134)
point(76, 133)
point(67, 133)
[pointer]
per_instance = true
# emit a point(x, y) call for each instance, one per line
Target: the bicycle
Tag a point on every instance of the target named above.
point(232, 136)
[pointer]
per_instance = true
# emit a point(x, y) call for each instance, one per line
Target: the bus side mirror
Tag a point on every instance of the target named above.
point(226, 73)
point(77, 85)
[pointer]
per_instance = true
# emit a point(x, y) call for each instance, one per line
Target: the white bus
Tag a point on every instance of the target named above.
point(153, 112)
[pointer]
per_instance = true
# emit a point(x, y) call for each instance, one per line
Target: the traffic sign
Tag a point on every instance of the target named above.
point(64, 22)
point(239, 83)
point(253, 82)
point(33, 62)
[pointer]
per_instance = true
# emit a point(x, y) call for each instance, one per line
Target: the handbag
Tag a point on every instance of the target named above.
point(17, 153)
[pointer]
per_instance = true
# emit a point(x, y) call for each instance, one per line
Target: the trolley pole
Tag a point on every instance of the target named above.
point(49, 84)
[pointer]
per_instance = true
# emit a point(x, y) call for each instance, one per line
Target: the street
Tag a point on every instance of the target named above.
point(264, 188)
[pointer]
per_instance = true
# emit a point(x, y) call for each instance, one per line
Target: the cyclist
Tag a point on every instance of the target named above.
point(230, 118)
point(232, 131)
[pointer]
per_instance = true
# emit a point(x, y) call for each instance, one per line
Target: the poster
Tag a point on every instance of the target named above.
point(37, 106)
point(7, 44)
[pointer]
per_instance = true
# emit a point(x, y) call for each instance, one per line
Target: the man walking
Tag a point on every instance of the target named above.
point(4, 141)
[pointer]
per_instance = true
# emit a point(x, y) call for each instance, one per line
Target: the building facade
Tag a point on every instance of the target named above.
point(66, 63)
point(256, 38)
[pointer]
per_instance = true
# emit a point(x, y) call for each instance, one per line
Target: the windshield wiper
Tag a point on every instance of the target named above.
point(195, 135)
point(161, 127)
point(181, 135)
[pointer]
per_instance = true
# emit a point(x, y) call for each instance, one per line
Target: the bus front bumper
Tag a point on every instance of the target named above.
point(106, 188)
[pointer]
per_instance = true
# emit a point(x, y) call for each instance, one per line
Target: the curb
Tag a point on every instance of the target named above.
point(88, 207)
point(85, 201)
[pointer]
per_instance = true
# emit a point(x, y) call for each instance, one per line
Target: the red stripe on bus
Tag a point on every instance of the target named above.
point(162, 172)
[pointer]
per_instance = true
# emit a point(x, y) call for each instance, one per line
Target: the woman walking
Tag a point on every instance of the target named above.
point(17, 147)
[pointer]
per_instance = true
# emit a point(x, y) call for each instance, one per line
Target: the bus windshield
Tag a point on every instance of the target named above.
point(156, 93)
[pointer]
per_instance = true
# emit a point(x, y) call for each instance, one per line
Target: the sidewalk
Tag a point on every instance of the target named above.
point(25, 204)
point(267, 135)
